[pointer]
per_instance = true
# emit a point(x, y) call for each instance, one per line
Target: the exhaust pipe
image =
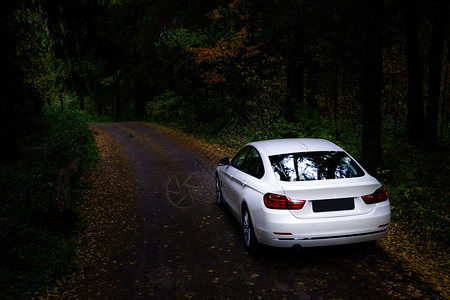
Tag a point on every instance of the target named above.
point(297, 248)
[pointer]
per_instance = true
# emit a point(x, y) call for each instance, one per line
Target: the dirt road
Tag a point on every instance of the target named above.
point(171, 241)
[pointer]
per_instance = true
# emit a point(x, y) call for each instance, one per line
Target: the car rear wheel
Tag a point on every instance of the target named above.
point(219, 197)
point(250, 241)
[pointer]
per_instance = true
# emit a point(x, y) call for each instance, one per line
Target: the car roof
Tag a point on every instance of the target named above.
point(294, 145)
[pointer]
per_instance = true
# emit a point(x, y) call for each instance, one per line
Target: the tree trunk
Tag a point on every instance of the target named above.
point(63, 198)
point(436, 53)
point(445, 108)
point(9, 150)
point(118, 113)
point(371, 90)
point(81, 102)
point(139, 103)
point(334, 87)
point(311, 95)
point(415, 84)
point(295, 72)
point(61, 100)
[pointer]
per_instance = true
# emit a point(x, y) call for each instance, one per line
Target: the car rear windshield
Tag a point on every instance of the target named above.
point(314, 166)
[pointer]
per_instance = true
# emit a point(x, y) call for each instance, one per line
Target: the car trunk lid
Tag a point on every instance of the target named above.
point(331, 198)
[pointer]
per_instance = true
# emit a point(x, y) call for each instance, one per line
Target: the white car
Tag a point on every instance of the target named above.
point(301, 193)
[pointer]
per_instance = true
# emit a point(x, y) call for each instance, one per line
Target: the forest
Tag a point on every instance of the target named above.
point(371, 76)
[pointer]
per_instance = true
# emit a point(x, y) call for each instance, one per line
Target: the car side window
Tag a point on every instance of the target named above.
point(253, 164)
point(238, 159)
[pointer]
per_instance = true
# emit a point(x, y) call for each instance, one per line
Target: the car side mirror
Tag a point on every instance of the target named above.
point(224, 161)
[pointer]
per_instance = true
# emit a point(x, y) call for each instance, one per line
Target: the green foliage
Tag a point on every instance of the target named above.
point(67, 136)
point(32, 255)
point(418, 186)
point(37, 258)
point(170, 108)
point(181, 38)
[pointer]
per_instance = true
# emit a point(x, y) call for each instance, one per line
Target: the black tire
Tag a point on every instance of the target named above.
point(250, 242)
point(219, 196)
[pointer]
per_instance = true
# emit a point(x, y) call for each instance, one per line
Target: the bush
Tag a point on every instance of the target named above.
point(165, 107)
point(67, 136)
point(418, 188)
point(32, 255)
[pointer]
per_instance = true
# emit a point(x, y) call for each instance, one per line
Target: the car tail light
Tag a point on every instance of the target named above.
point(380, 195)
point(282, 202)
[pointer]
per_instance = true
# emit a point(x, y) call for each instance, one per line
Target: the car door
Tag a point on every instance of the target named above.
point(229, 183)
point(248, 167)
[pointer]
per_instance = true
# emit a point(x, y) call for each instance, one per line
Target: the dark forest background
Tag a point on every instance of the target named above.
point(371, 76)
point(200, 64)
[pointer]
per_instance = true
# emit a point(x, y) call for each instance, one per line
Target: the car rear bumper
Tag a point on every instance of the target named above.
point(281, 230)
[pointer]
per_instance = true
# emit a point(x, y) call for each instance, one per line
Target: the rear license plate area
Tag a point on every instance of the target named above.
point(333, 205)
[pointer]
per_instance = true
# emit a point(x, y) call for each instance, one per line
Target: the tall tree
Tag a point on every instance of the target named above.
point(371, 90)
point(415, 84)
point(10, 147)
point(436, 52)
point(67, 24)
point(296, 58)
point(295, 68)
